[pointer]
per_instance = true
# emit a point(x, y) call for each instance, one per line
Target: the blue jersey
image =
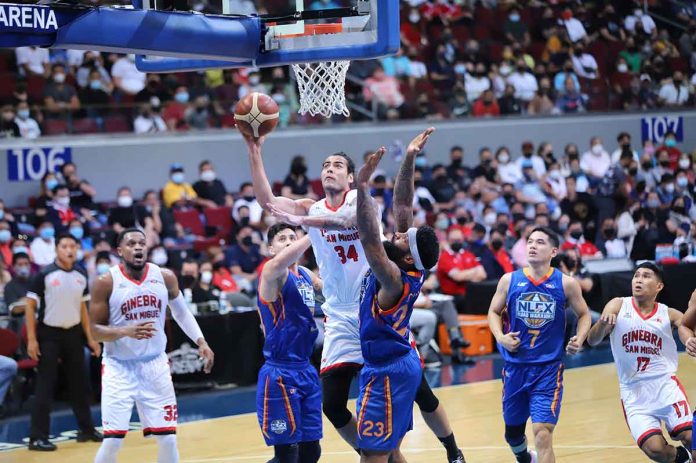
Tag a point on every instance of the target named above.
point(384, 333)
point(288, 321)
point(537, 310)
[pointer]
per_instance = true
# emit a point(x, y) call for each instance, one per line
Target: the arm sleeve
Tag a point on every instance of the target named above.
point(185, 319)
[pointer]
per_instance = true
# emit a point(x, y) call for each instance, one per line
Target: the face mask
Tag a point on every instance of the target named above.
point(279, 98)
point(187, 281)
point(23, 113)
point(247, 241)
point(622, 67)
point(59, 78)
point(414, 17)
point(664, 163)
point(182, 97)
point(576, 235)
point(562, 227)
point(489, 218)
point(23, 271)
point(254, 80)
point(517, 216)
point(243, 221)
point(671, 142)
point(683, 182)
point(597, 150)
point(461, 220)
point(610, 233)
point(64, 201)
point(159, 257)
point(504, 158)
point(514, 17)
point(555, 173)
point(125, 201)
point(47, 233)
point(684, 163)
point(496, 244)
point(421, 161)
point(669, 188)
point(95, 84)
point(653, 203)
point(206, 277)
point(460, 69)
point(51, 183)
point(5, 236)
point(102, 268)
point(208, 175)
point(77, 232)
point(80, 255)
point(680, 210)
point(18, 249)
point(527, 155)
point(442, 224)
point(572, 263)
point(456, 246)
point(249, 198)
point(633, 171)
point(178, 177)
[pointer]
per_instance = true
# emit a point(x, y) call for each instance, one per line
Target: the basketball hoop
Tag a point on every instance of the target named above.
point(322, 87)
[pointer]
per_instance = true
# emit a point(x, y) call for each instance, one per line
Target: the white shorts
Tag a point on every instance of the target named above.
point(145, 384)
point(649, 403)
point(341, 341)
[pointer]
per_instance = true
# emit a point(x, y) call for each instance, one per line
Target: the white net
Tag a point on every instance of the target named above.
point(322, 87)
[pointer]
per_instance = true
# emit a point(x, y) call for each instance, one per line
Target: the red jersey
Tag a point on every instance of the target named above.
point(585, 249)
point(463, 260)
point(504, 260)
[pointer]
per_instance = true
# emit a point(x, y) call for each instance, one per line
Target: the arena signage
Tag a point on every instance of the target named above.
point(656, 127)
point(31, 164)
point(27, 17)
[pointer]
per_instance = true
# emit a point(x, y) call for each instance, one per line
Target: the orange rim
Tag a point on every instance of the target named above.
point(315, 29)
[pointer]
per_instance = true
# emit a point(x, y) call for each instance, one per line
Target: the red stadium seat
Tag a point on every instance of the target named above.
point(9, 342)
point(35, 88)
point(189, 219)
point(482, 33)
point(228, 121)
point(221, 219)
point(8, 86)
point(204, 244)
point(87, 125)
point(317, 187)
point(116, 124)
point(55, 127)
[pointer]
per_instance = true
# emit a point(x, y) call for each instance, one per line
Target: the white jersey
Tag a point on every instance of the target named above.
point(643, 346)
point(134, 302)
point(341, 260)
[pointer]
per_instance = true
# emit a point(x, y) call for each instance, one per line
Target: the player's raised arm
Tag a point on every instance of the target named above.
point(275, 271)
point(606, 323)
point(686, 327)
point(510, 341)
point(341, 220)
point(262, 187)
point(99, 316)
point(386, 271)
point(185, 319)
point(577, 302)
point(404, 187)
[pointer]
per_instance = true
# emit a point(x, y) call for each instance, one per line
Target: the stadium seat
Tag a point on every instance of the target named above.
point(9, 342)
point(86, 125)
point(116, 124)
point(204, 244)
point(190, 220)
point(219, 218)
point(317, 187)
point(8, 86)
point(35, 88)
point(55, 127)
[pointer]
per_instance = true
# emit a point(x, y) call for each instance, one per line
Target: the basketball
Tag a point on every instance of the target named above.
point(256, 115)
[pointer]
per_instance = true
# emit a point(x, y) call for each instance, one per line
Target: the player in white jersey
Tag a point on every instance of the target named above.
point(128, 311)
point(688, 337)
point(342, 265)
point(646, 360)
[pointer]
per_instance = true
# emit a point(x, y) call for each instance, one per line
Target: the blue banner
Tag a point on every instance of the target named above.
point(31, 164)
point(655, 128)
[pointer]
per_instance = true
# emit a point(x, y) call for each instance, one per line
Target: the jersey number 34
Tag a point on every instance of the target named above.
point(352, 253)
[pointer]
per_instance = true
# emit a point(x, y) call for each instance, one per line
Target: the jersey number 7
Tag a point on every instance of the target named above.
point(352, 253)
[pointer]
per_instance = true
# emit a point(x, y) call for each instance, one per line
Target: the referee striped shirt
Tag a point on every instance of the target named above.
point(59, 294)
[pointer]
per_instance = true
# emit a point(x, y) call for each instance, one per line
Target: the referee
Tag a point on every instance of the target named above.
point(60, 292)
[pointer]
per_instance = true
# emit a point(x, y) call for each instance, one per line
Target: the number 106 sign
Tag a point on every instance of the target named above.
point(31, 164)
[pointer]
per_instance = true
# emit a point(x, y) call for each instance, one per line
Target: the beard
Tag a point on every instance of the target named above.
point(394, 253)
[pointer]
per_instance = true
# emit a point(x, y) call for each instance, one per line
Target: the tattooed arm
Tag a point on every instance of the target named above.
point(404, 188)
point(387, 272)
point(341, 220)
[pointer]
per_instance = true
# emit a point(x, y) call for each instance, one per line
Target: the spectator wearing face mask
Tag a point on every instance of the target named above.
point(28, 127)
point(149, 119)
point(508, 171)
point(596, 161)
point(515, 29)
point(456, 267)
point(178, 193)
point(559, 80)
point(5, 242)
point(670, 145)
point(674, 92)
point(502, 257)
point(8, 126)
point(18, 287)
point(528, 156)
point(102, 264)
point(127, 78)
point(176, 112)
point(524, 82)
point(244, 257)
point(229, 290)
point(624, 142)
point(441, 187)
point(296, 184)
point(608, 241)
point(575, 239)
point(60, 213)
point(253, 85)
point(646, 22)
point(203, 290)
point(60, 98)
point(126, 214)
point(43, 248)
point(576, 31)
point(666, 189)
point(84, 241)
point(247, 199)
point(208, 186)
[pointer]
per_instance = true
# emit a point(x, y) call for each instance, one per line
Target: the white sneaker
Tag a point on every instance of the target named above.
point(533, 455)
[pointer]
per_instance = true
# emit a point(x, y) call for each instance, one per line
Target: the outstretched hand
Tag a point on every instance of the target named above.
point(370, 166)
point(284, 217)
point(417, 144)
point(253, 144)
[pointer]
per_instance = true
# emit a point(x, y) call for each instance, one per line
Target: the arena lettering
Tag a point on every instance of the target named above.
point(28, 17)
point(642, 336)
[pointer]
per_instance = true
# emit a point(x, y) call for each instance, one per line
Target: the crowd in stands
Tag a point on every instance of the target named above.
point(458, 59)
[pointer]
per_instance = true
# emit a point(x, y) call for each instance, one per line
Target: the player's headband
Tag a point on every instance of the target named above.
point(414, 247)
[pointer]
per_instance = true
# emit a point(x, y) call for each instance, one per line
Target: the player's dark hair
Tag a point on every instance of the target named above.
point(277, 228)
point(123, 234)
point(553, 237)
point(349, 161)
point(428, 246)
point(66, 236)
point(657, 269)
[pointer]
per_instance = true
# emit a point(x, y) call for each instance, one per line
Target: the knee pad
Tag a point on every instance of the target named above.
point(425, 398)
point(310, 452)
point(514, 435)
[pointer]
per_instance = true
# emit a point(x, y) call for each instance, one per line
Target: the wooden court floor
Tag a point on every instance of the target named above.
point(591, 429)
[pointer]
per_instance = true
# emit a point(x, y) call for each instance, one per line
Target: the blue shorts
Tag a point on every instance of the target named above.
point(385, 402)
point(532, 390)
point(288, 403)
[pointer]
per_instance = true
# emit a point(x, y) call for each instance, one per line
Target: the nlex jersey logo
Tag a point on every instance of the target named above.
point(535, 309)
